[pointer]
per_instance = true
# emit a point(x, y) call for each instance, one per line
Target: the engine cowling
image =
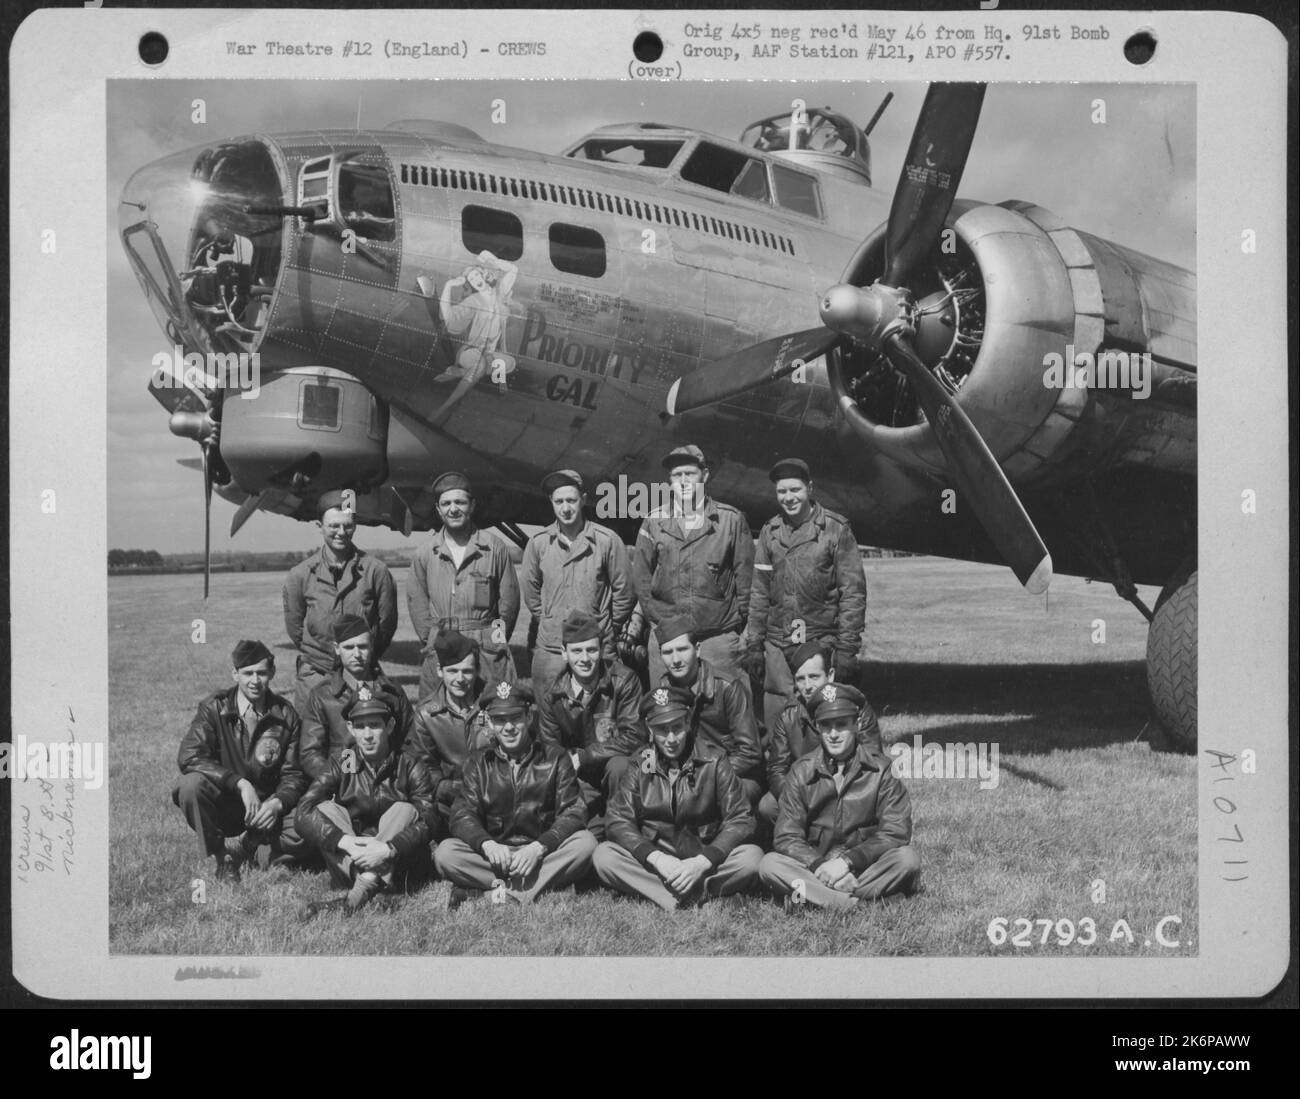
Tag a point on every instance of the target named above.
point(307, 430)
point(1010, 287)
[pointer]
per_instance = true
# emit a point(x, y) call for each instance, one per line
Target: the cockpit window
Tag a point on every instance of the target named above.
point(726, 170)
point(637, 152)
point(796, 191)
point(366, 200)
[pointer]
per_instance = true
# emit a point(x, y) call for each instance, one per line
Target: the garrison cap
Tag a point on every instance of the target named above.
point(560, 478)
point(450, 481)
point(250, 652)
point(674, 626)
point(452, 646)
point(799, 656)
point(505, 699)
point(836, 700)
point(686, 455)
point(580, 626)
point(790, 467)
point(664, 705)
point(343, 500)
point(348, 627)
point(365, 703)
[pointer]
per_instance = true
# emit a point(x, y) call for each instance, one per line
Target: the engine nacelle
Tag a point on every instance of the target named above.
point(306, 430)
point(1020, 288)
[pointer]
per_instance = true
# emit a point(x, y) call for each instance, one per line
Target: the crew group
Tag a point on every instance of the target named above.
point(639, 757)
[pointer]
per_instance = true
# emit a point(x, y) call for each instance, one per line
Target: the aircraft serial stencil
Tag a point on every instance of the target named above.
point(981, 380)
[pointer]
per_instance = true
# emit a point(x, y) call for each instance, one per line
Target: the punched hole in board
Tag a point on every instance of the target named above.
point(153, 48)
point(648, 47)
point(1140, 47)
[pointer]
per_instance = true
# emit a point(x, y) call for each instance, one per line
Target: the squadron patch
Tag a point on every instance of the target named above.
point(267, 751)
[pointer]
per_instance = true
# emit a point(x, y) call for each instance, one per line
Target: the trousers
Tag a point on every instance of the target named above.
point(215, 813)
point(896, 871)
point(403, 873)
point(618, 868)
point(461, 865)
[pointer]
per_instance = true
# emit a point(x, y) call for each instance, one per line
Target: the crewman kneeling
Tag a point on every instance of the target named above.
point(240, 777)
point(518, 825)
point(678, 822)
point(370, 811)
point(844, 824)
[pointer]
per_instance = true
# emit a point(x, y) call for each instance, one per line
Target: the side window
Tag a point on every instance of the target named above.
point(366, 200)
point(726, 170)
point(752, 182)
point(796, 191)
point(495, 231)
point(315, 186)
point(577, 250)
point(319, 405)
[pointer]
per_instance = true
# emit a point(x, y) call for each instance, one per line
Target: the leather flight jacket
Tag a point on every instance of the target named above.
point(701, 809)
point(870, 815)
point(218, 747)
point(367, 795)
point(536, 799)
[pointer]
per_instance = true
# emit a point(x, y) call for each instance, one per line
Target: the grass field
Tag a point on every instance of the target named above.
point(954, 653)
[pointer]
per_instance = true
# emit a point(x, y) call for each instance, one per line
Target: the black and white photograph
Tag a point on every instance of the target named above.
point(722, 397)
point(683, 518)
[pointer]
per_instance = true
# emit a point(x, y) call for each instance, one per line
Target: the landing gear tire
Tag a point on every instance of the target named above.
point(1171, 665)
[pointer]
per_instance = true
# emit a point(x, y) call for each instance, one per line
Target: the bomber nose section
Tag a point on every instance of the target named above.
point(203, 231)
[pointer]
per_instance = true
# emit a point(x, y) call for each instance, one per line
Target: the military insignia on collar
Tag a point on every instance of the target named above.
point(364, 693)
point(828, 693)
point(503, 690)
point(661, 697)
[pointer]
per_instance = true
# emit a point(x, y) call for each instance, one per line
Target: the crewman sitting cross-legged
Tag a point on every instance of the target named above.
point(518, 826)
point(370, 812)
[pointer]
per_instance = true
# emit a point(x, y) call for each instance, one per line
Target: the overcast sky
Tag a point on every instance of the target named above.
point(1131, 180)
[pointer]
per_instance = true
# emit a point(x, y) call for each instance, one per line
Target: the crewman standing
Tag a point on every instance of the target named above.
point(695, 560)
point(808, 586)
point(463, 579)
point(574, 564)
point(337, 580)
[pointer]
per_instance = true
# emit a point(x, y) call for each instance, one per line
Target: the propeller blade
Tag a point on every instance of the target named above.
point(928, 182)
point(979, 477)
point(247, 509)
point(747, 369)
point(207, 520)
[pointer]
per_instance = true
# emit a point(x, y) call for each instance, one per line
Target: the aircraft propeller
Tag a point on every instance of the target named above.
point(882, 317)
point(195, 415)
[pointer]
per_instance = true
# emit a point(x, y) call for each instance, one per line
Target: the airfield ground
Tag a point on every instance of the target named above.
point(955, 653)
